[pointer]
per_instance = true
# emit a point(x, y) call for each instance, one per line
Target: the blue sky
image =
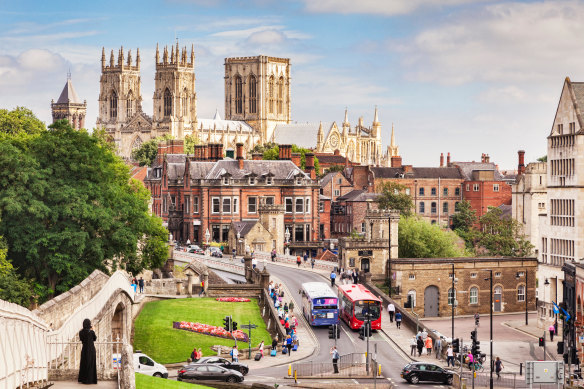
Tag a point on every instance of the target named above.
point(460, 76)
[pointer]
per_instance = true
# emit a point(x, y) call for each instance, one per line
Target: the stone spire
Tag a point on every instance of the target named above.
point(392, 149)
point(102, 58)
point(319, 138)
point(346, 124)
point(138, 57)
point(375, 118)
point(157, 54)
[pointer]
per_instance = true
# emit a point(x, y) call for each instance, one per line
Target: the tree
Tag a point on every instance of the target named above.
point(419, 239)
point(146, 153)
point(464, 218)
point(542, 159)
point(20, 121)
point(69, 207)
point(502, 235)
point(12, 287)
point(273, 153)
point(393, 196)
point(190, 142)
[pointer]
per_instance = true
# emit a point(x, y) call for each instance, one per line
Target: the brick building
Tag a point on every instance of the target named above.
point(324, 216)
point(204, 193)
point(429, 282)
point(349, 211)
point(335, 184)
point(329, 160)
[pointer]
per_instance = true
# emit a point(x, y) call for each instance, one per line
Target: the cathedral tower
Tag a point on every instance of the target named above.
point(69, 106)
point(175, 111)
point(257, 90)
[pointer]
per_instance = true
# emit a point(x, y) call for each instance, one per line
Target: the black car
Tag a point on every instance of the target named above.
point(240, 367)
point(216, 252)
point(209, 372)
point(420, 371)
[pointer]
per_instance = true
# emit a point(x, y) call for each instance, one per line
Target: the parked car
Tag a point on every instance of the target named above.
point(420, 371)
point(194, 249)
point(240, 367)
point(144, 364)
point(216, 252)
point(206, 371)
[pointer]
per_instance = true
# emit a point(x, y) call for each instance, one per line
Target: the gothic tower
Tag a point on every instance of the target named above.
point(175, 111)
point(257, 90)
point(69, 106)
point(120, 97)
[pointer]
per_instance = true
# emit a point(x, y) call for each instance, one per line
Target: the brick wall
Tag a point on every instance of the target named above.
point(486, 196)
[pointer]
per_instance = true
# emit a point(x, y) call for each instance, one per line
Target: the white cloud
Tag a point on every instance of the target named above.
point(378, 7)
point(266, 37)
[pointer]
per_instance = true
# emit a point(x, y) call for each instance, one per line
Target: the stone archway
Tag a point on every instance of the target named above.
point(118, 320)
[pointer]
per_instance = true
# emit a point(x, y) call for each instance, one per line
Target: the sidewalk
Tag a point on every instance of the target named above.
point(73, 384)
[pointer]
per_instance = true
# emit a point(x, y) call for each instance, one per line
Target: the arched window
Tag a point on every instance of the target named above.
point(433, 207)
point(252, 95)
point(167, 103)
point(271, 94)
point(113, 105)
point(474, 295)
point(185, 102)
point(413, 294)
point(280, 94)
point(129, 106)
point(451, 296)
point(238, 95)
point(521, 293)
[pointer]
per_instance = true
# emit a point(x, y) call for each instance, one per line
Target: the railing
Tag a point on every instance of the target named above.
point(226, 263)
point(22, 346)
point(506, 380)
point(349, 365)
point(318, 264)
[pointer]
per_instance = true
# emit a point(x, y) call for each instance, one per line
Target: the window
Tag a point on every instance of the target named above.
point(299, 205)
point(225, 180)
point(498, 274)
point(129, 110)
point(164, 204)
point(307, 205)
point(412, 277)
point(473, 275)
point(252, 180)
point(457, 191)
point(238, 95)
point(408, 191)
point(337, 192)
point(475, 187)
point(457, 206)
point(269, 180)
point(226, 205)
point(196, 204)
point(288, 204)
point(445, 191)
point(467, 187)
point(216, 206)
point(521, 274)
point(445, 207)
point(236, 205)
point(187, 204)
point(271, 94)
point(269, 200)
point(413, 294)
point(521, 293)
point(321, 206)
point(421, 191)
point(252, 204)
point(280, 94)
point(433, 191)
point(560, 129)
point(433, 208)
point(572, 128)
point(495, 187)
point(253, 98)
point(422, 207)
point(167, 103)
point(363, 227)
point(340, 181)
point(298, 180)
point(451, 296)
point(473, 295)
point(114, 105)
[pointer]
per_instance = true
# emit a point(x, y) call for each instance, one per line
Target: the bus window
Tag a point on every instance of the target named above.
point(361, 310)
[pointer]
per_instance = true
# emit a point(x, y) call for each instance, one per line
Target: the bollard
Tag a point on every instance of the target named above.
point(289, 370)
point(379, 369)
point(295, 377)
point(521, 368)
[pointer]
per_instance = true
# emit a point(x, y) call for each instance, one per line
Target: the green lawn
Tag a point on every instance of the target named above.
point(154, 335)
point(148, 382)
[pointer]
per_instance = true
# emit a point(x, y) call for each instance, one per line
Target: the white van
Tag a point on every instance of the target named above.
point(145, 365)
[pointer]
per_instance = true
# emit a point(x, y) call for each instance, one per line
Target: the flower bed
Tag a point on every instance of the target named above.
point(207, 329)
point(233, 299)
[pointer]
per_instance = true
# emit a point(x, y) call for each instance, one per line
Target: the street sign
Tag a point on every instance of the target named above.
point(248, 326)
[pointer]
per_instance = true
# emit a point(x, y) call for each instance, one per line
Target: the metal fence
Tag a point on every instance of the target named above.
point(350, 365)
point(506, 380)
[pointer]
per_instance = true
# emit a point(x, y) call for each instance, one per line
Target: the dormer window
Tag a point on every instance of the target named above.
point(252, 180)
point(225, 180)
point(269, 181)
point(298, 180)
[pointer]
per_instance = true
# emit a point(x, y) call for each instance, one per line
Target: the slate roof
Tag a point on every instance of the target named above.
point(68, 95)
point(417, 172)
point(328, 177)
point(221, 125)
point(300, 134)
point(358, 195)
point(243, 227)
point(507, 210)
point(466, 169)
point(330, 158)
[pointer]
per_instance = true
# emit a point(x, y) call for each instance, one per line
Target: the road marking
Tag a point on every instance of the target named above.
point(348, 335)
point(355, 381)
point(395, 347)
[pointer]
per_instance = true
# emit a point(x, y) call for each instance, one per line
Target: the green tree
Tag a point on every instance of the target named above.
point(273, 153)
point(20, 121)
point(419, 239)
point(464, 218)
point(542, 159)
point(502, 235)
point(12, 287)
point(69, 207)
point(393, 196)
point(146, 153)
point(190, 142)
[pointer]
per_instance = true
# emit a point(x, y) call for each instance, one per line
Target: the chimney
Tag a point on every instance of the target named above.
point(211, 152)
point(257, 156)
point(285, 152)
point(407, 168)
point(396, 161)
point(448, 159)
point(441, 159)
point(161, 152)
point(219, 151)
point(487, 158)
point(296, 157)
point(310, 165)
point(521, 165)
point(337, 152)
point(239, 147)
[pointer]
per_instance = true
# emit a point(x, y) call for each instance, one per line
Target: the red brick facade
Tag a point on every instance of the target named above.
point(485, 194)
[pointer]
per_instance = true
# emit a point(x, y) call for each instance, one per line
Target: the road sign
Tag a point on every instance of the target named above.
point(248, 326)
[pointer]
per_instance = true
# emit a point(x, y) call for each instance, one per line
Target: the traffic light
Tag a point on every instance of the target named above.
point(234, 326)
point(331, 332)
point(560, 348)
point(476, 348)
point(477, 320)
point(456, 345)
point(541, 341)
point(338, 331)
point(365, 330)
point(334, 331)
point(227, 323)
point(362, 332)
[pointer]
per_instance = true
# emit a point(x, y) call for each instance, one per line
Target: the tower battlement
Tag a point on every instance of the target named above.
point(123, 62)
point(179, 58)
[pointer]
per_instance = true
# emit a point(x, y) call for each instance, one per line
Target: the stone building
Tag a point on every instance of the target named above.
point(264, 234)
point(69, 106)
point(371, 252)
point(429, 282)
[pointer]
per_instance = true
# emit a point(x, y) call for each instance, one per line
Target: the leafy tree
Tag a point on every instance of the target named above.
point(20, 121)
point(273, 153)
point(464, 218)
point(393, 196)
point(190, 142)
point(542, 159)
point(69, 207)
point(12, 287)
point(419, 239)
point(146, 153)
point(502, 235)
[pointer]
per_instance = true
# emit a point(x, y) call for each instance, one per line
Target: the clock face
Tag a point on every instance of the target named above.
point(334, 140)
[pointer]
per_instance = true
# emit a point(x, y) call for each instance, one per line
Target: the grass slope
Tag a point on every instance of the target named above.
point(154, 335)
point(148, 382)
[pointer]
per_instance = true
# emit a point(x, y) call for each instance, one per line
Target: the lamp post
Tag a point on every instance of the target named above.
point(517, 276)
point(491, 324)
point(453, 299)
point(389, 258)
point(238, 242)
point(207, 237)
point(546, 283)
point(287, 236)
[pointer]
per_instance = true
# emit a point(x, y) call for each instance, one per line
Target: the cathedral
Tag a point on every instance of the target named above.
point(257, 108)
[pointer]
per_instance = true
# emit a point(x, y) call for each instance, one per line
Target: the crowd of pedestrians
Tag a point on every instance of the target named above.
point(287, 319)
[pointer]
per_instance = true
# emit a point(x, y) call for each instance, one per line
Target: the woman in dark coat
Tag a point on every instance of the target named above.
point(420, 345)
point(88, 365)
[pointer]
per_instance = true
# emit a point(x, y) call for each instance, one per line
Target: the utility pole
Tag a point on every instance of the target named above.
point(491, 325)
point(367, 331)
point(453, 300)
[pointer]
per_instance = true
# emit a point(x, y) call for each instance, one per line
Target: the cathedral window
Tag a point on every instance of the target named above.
point(280, 94)
point(271, 94)
point(167, 103)
point(129, 108)
point(238, 95)
point(114, 105)
point(185, 103)
point(253, 100)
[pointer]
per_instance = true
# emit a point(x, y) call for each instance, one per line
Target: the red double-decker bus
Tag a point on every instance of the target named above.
point(355, 302)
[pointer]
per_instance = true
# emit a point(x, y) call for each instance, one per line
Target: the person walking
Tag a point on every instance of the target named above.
point(141, 284)
point(428, 345)
point(333, 276)
point(234, 354)
point(233, 252)
point(449, 356)
point(391, 311)
point(552, 331)
point(261, 347)
point(438, 347)
point(289, 344)
point(498, 367)
point(312, 262)
point(274, 255)
point(420, 345)
point(470, 360)
point(298, 260)
point(202, 288)
point(413, 345)
point(424, 334)
point(398, 319)
point(274, 344)
point(88, 363)
point(335, 353)
point(305, 258)
point(355, 277)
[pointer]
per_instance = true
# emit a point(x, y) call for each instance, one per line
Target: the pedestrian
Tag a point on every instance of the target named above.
point(449, 356)
point(438, 347)
point(286, 307)
point(470, 360)
point(419, 345)
point(289, 344)
point(254, 262)
point(294, 322)
point(312, 262)
point(141, 284)
point(398, 319)
point(428, 345)
point(419, 335)
point(556, 326)
point(134, 284)
point(233, 252)
point(88, 363)
point(391, 311)
point(333, 276)
point(234, 354)
point(274, 344)
point(202, 288)
point(287, 326)
point(334, 352)
point(552, 330)
point(305, 258)
point(200, 353)
point(498, 367)
point(261, 347)
point(355, 277)
point(273, 255)
point(413, 345)
point(424, 334)
point(298, 260)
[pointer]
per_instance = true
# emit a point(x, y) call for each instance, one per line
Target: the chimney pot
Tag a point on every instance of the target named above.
point(521, 164)
point(257, 156)
point(448, 159)
point(296, 159)
point(239, 147)
point(441, 159)
point(396, 161)
point(310, 165)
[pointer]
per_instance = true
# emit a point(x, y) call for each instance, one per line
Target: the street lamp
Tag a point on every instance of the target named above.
point(389, 258)
point(207, 237)
point(453, 300)
point(491, 323)
point(238, 242)
point(287, 236)
point(517, 276)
